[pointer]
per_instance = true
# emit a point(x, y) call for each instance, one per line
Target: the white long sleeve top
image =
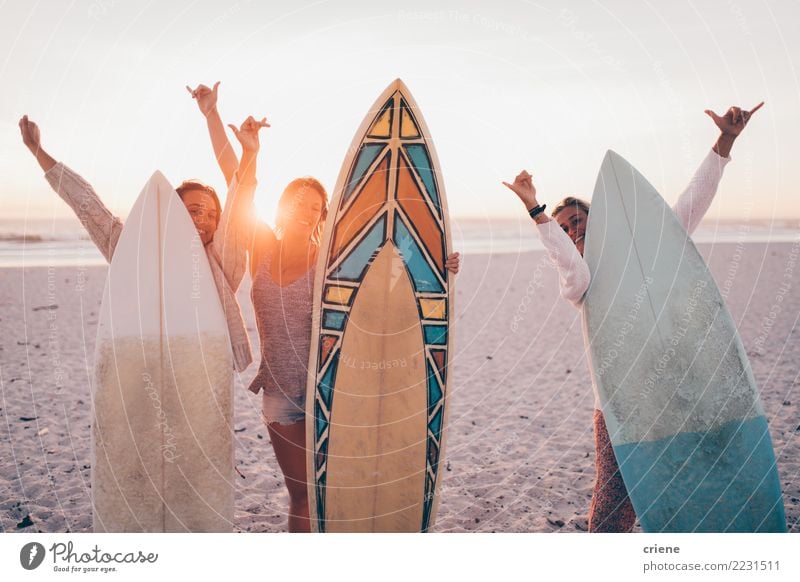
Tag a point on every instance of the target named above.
point(573, 271)
point(226, 254)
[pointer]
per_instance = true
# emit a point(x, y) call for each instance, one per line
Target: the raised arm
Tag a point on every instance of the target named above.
point(239, 229)
point(103, 227)
point(32, 138)
point(573, 272)
point(207, 103)
point(696, 199)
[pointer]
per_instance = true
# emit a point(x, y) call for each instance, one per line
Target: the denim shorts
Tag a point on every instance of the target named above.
point(280, 407)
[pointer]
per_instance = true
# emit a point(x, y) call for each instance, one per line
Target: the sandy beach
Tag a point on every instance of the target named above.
point(519, 455)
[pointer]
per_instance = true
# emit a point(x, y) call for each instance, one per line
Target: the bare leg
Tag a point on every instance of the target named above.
point(611, 510)
point(289, 443)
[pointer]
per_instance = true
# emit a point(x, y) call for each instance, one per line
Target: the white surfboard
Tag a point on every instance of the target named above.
point(676, 389)
point(162, 399)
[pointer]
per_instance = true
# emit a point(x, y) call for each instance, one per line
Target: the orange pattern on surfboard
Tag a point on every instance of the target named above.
point(438, 357)
point(366, 204)
point(327, 342)
point(382, 126)
point(414, 205)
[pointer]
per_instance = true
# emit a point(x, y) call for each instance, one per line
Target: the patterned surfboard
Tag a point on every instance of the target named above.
point(382, 331)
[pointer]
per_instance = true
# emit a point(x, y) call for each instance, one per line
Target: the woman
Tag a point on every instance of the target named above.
point(282, 265)
point(611, 509)
point(212, 224)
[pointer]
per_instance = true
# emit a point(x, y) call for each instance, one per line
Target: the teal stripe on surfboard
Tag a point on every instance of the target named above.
point(422, 163)
point(422, 274)
point(718, 481)
point(366, 156)
point(353, 266)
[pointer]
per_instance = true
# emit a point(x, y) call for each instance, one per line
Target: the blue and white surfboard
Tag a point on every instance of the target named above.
point(676, 388)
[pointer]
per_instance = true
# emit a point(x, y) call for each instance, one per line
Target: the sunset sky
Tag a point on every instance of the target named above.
point(503, 86)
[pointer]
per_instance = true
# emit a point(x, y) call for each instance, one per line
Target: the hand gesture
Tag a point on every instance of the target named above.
point(734, 120)
point(30, 134)
point(206, 98)
point(248, 133)
point(524, 188)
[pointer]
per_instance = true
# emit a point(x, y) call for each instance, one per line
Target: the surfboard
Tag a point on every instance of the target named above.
point(677, 392)
point(382, 331)
point(162, 448)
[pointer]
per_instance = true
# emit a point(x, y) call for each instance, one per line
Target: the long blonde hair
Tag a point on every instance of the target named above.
point(316, 185)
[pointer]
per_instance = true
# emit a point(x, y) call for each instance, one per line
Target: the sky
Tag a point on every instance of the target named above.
point(506, 85)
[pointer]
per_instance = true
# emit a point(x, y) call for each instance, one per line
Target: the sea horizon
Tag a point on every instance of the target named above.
point(43, 242)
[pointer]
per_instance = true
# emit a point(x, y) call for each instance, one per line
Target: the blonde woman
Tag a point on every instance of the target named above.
point(282, 265)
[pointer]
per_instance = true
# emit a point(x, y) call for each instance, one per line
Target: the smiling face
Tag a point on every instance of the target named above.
point(300, 211)
point(203, 210)
point(573, 220)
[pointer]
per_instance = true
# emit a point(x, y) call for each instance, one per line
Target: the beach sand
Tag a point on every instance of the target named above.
point(519, 454)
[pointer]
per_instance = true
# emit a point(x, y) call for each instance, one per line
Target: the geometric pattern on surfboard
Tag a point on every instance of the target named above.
point(392, 195)
point(676, 388)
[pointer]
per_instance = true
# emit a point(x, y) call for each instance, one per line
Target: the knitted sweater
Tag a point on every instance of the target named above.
point(227, 260)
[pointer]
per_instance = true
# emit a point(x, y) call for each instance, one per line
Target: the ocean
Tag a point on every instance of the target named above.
point(53, 242)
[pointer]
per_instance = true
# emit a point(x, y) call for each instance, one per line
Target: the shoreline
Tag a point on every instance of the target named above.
point(71, 253)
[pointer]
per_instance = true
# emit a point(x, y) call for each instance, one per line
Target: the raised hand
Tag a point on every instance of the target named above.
point(247, 134)
point(31, 136)
point(206, 98)
point(33, 141)
point(730, 126)
point(734, 120)
point(524, 188)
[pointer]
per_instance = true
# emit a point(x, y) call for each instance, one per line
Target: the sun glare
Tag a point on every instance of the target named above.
point(265, 210)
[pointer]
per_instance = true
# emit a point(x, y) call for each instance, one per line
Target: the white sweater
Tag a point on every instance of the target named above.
point(690, 208)
point(573, 272)
point(226, 254)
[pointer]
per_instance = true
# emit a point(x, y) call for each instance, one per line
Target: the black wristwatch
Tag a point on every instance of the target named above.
point(537, 210)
